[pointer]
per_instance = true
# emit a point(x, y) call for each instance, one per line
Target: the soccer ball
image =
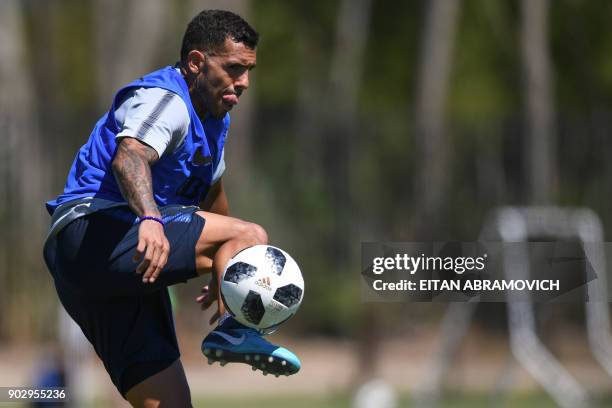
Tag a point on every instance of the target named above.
point(262, 287)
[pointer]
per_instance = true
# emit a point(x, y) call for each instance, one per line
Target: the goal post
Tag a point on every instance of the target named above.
point(517, 225)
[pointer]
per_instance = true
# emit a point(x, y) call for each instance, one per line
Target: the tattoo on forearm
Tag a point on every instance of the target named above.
point(133, 173)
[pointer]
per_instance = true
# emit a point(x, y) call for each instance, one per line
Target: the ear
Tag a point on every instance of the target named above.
point(195, 61)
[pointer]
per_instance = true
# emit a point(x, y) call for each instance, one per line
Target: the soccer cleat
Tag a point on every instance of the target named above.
point(232, 342)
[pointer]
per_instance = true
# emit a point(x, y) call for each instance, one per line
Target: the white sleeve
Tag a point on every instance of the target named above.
point(155, 116)
point(220, 168)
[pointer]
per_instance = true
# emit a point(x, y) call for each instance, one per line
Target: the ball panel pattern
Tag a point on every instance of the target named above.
point(253, 308)
point(288, 295)
point(275, 260)
point(239, 271)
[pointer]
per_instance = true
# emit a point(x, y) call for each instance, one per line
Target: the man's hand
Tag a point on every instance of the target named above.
point(152, 250)
point(132, 169)
point(210, 294)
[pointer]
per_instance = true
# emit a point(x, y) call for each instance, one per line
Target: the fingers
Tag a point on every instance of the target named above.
point(206, 301)
point(153, 264)
point(159, 259)
point(146, 259)
point(201, 298)
point(207, 297)
point(214, 317)
point(152, 250)
point(142, 244)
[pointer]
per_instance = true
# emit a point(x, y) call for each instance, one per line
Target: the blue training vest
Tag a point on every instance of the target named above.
point(183, 177)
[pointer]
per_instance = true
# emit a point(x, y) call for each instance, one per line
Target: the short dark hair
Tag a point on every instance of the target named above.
point(210, 28)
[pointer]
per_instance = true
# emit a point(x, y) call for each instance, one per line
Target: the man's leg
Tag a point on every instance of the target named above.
point(221, 239)
point(167, 388)
point(128, 322)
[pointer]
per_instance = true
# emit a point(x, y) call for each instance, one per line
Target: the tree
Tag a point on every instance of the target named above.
point(127, 38)
point(432, 92)
point(24, 171)
point(539, 147)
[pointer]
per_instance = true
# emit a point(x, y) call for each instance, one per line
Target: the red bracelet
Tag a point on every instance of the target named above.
point(148, 217)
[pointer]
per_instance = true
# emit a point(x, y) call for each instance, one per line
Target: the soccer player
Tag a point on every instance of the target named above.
point(128, 223)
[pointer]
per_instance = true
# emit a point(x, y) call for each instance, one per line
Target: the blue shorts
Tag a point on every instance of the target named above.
point(129, 323)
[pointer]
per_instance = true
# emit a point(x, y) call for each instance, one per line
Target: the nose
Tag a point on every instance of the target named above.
point(242, 82)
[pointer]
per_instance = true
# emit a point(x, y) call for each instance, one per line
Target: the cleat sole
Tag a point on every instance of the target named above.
point(271, 364)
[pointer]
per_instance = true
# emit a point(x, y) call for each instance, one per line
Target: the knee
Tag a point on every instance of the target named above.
point(257, 234)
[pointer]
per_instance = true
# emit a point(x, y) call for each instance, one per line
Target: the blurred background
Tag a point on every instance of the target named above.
point(367, 120)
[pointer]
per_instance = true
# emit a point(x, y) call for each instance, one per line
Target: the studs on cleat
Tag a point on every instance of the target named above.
point(247, 358)
point(263, 366)
point(219, 353)
point(277, 375)
point(257, 357)
point(253, 368)
point(223, 362)
point(210, 361)
point(206, 351)
point(283, 363)
point(265, 373)
point(270, 359)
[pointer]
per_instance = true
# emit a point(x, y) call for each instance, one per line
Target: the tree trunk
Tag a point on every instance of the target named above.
point(24, 174)
point(128, 37)
point(540, 144)
point(352, 26)
point(342, 146)
point(309, 111)
point(431, 139)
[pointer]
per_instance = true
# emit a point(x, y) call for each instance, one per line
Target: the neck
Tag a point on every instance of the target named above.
point(196, 99)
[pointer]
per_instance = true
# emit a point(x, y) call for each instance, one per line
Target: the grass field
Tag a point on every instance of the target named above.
point(533, 400)
point(344, 401)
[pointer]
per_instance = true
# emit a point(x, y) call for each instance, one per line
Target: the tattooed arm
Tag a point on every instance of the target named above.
point(132, 169)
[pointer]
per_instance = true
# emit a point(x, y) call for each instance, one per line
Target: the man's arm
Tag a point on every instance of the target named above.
point(216, 200)
point(132, 169)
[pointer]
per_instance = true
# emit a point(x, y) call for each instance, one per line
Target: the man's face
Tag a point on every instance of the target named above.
point(222, 76)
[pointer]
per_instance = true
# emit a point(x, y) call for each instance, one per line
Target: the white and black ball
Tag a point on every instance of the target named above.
point(262, 287)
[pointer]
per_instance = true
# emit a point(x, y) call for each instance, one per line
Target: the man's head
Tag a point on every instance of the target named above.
point(217, 54)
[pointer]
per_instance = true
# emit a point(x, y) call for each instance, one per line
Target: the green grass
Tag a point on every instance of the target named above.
point(453, 400)
point(532, 400)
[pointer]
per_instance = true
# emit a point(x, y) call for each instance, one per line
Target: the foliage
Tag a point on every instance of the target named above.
point(299, 206)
